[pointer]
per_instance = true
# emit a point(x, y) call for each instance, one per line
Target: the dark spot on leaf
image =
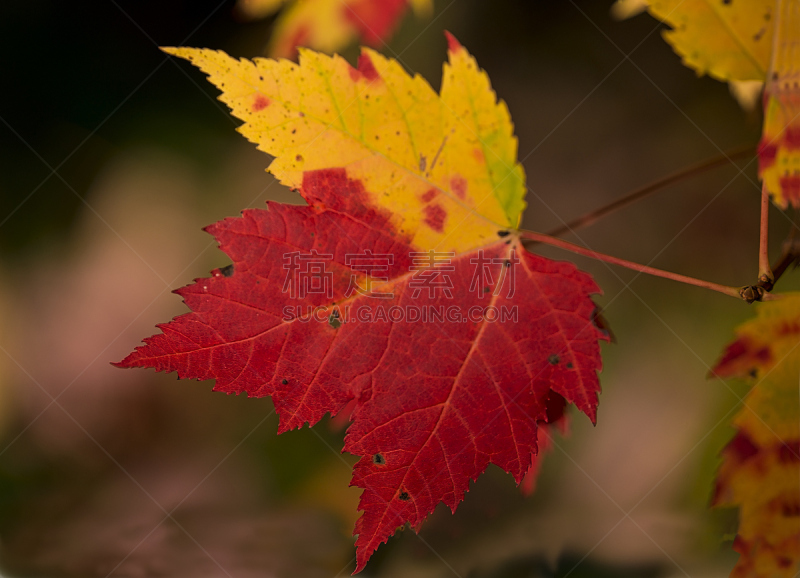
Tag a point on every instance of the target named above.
point(726, 2)
point(260, 103)
point(429, 195)
point(458, 185)
point(553, 359)
point(434, 217)
point(378, 460)
point(404, 496)
point(507, 263)
point(783, 561)
point(789, 452)
point(285, 381)
point(569, 365)
point(299, 158)
point(333, 320)
point(503, 233)
point(227, 271)
point(486, 289)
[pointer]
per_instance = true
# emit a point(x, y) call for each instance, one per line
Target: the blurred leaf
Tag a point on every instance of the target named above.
point(779, 149)
point(724, 39)
point(330, 25)
point(761, 465)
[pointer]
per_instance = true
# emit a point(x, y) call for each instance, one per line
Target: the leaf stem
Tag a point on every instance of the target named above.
point(749, 294)
point(790, 254)
point(765, 277)
point(597, 214)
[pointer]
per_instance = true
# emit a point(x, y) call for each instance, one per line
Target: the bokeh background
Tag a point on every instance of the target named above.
point(114, 157)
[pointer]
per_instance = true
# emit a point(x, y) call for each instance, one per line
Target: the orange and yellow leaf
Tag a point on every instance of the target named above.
point(444, 165)
point(330, 25)
point(779, 150)
point(728, 40)
point(760, 471)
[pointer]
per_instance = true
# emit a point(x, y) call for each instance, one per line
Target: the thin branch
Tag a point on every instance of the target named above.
point(765, 277)
point(639, 194)
point(790, 254)
point(749, 294)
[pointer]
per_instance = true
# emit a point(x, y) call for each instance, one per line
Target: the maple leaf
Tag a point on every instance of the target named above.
point(779, 149)
point(744, 43)
point(726, 40)
point(761, 465)
point(330, 25)
point(402, 288)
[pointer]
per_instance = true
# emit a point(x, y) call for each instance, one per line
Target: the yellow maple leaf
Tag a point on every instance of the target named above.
point(330, 25)
point(745, 43)
point(443, 165)
point(760, 471)
point(255, 9)
point(779, 149)
point(724, 39)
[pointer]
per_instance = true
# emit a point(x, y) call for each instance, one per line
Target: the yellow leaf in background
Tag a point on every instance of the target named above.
point(422, 7)
point(760, 471)
point(726, 39)
point(254, 9)
point(444, 166)
point(747, 93)
point(747, 41)
point(762, 481)
point(764, 341)
point(623, 9)
point(330, 25)
point(779, 149)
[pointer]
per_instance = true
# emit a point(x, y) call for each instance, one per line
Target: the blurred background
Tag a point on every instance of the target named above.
point(114, 157)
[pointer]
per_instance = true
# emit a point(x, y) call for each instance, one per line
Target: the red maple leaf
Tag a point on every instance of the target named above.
point(437, 401)
point(448, 360)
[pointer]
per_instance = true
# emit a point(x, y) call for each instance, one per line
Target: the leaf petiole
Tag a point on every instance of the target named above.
point(747, 293)
point(766, 279)
point(629, 199)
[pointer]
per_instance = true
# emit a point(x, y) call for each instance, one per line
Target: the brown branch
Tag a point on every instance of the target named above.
point(790, 255)
point(766, 278)
point(749, 294)
point(643, 192)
